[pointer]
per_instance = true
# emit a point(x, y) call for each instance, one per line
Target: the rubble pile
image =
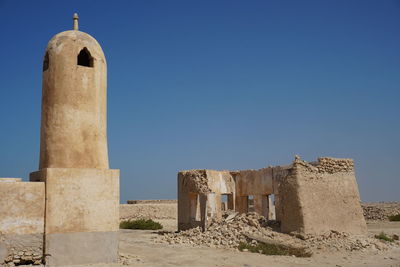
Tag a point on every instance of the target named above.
point(337, 241)
point(236, 228)
point(233, 229)
point(380, 211)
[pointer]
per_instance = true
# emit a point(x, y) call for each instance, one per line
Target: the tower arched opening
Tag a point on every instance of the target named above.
point(84, 58)
point(46, 61)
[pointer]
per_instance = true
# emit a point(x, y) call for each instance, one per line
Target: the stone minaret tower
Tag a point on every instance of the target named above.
point(82, 193)
point(74, 95)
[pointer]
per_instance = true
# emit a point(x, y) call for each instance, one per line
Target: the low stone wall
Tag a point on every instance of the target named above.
point(380, 211)
point(21, 221)
point(150, 209)
point(154, 211)
point(153, 201)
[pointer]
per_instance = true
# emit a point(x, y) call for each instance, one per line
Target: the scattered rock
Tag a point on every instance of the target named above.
point(235, 228)
point(380, 211)
point(128, 259)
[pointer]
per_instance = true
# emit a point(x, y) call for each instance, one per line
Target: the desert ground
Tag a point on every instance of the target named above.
point(137, 248)
point(143, 247)
point(140, 248)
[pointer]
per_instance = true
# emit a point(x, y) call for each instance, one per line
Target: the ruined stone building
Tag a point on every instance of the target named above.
point(68, 213)
point(304, 197)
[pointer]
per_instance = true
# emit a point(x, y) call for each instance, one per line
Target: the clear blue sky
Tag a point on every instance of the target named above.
point(219, 85)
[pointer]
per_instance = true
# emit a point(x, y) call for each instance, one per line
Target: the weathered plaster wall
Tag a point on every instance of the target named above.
point(254, 182)
point(280, 173)
point(21, 221)
point(89, 199)
point(320, 197)
point(288, 204)
point(220, 182)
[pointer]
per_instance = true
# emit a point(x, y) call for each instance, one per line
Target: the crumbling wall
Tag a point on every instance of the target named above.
point(309, 197)
point(194, 181)
point(191, 185)
point(199, 196)
point(21, 221)
point(255, 183)
point(332, 165)
point(322, 196)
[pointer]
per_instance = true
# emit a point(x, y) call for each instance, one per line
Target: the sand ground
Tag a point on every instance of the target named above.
point(138, 249)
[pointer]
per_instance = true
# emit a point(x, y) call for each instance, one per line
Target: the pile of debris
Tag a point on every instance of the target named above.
point(380, 211)
point(252, 228)
point(337, 241)
point(230, 232)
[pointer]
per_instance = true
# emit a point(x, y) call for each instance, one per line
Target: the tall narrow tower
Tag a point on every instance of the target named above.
point(82, 193)
point(74, 95)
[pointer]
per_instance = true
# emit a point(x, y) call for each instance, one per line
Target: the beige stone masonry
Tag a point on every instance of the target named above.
point(80, 200)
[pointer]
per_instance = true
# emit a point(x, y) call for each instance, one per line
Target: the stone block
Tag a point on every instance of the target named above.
point(82, 215)
point(80, 200)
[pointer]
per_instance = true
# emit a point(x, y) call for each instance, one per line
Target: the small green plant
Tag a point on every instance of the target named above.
point(394, 218)
point(272, 249)
point(383, 236)
point(141, 224)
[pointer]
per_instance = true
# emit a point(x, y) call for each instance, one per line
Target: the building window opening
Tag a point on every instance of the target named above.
point(271, 209)
point(226, 202)
point(250, 204)
point(46, 61)
point(85, 59)
point(195, 214)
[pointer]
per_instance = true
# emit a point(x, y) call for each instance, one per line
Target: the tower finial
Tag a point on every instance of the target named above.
point(75, 18)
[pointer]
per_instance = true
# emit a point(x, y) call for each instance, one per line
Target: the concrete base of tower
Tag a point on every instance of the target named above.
point(81, 215)
point(65, 249)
